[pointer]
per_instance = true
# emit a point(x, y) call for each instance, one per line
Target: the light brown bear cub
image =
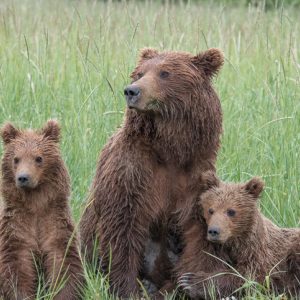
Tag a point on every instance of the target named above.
point(232, 234)
point(36, 227)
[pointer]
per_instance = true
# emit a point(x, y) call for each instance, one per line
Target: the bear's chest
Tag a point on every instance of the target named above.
point(33, 227)
point(181, 189)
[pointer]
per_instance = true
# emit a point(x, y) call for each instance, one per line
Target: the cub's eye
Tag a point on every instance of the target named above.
point(210, 211)
point(16, 160)
point(139, 75)
point(164, 74)
point(38, 159)
point(230, 212)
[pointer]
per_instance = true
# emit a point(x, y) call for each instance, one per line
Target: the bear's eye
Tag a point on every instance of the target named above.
point(139, 75)
point(210, 211)
point(16, 160)
point(38, 159)
point(164, 74)
point(230, 212)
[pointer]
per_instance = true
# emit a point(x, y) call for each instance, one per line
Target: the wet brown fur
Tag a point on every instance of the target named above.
point(36, 225)
point(248, 242)
point(151, 167)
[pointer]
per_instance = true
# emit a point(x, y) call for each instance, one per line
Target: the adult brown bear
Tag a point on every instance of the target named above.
point(150, 169)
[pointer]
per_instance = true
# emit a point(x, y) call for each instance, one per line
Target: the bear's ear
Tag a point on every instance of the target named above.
point(254, 187)
point(9, 133)
point(209, 180)
point(209, 61)
point(148, 53)
point(52, 131)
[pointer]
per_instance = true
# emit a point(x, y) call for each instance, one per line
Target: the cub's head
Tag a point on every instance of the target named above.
point(230, 209)
point(166, 82)
point(30, 157)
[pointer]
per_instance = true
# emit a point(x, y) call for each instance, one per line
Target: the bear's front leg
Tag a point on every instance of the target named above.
point(122, 240)
point(17, 271)
point(126, 196)
point(63, 267)
point(126, 212)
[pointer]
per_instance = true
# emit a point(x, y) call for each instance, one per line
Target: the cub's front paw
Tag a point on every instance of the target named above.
point(191, 285)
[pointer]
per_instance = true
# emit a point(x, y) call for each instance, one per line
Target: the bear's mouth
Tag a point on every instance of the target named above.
point(216, 240)
point(138, 109)
point(152, 105)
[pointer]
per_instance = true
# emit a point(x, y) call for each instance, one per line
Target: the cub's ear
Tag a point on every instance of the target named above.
point(209, 180)
point(9, 133)
point(210, 61)
point(254, 186)
point(148, 53)
point(51, 130)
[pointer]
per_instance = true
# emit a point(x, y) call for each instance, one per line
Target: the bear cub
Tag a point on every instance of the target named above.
point(232, 240)
point(36, 228)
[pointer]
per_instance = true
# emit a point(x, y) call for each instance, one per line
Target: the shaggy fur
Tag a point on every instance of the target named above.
point(36, 228)
point(246, 241)
point(150, 169)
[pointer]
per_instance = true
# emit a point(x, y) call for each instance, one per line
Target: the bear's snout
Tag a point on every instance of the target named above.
point(132, 94)
point(213, 233)
point(23, 180)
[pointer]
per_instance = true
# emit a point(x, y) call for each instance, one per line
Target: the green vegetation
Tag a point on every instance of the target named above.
point(70, 60)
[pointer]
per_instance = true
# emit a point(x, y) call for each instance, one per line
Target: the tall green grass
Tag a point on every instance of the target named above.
point(70, 60)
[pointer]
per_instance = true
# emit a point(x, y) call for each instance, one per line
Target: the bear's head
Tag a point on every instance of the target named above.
point(166, 82)
point(31, 158)
point(230, 209)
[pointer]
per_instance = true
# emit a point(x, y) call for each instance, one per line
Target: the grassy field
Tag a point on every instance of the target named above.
point(70, 60)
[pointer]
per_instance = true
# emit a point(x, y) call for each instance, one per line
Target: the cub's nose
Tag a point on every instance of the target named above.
point(214, 232)
point(23, 180)
point(132, 93)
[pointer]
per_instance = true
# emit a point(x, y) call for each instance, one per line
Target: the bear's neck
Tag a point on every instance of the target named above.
point(181, 139)
point(35, 201)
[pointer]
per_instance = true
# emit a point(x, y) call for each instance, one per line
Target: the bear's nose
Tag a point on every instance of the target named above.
point(132, 93)
point(23, 179)
point(214, 231)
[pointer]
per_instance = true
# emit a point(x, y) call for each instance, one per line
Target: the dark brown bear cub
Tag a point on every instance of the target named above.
point(148, 172)
point(235, 241)
point(36, 225)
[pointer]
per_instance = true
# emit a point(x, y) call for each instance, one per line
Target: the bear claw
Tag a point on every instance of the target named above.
point(185, 280)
